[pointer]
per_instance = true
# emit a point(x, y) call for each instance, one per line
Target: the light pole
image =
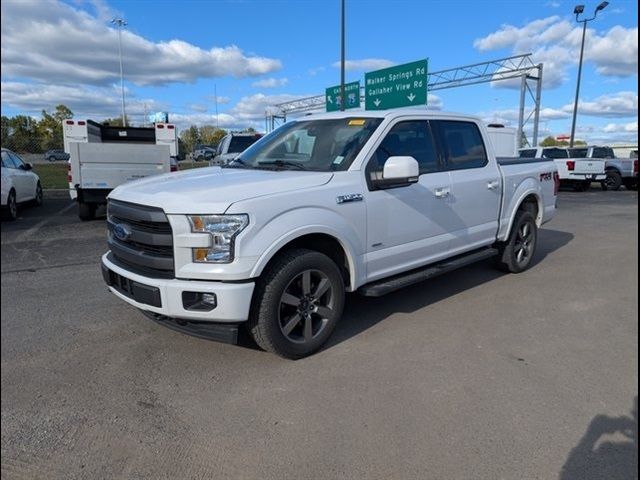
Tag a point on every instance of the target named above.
point(579, 9)
point(120, 23)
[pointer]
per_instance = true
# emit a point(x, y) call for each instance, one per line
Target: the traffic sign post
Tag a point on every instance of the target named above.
point(333, 99)
point(399, 86)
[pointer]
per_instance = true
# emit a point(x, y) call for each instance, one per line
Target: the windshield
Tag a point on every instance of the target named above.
point(317, 145)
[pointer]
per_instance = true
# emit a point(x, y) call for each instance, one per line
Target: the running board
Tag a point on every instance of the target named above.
point(390, 284)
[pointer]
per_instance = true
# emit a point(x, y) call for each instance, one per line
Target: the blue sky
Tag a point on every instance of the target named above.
point(255, 53)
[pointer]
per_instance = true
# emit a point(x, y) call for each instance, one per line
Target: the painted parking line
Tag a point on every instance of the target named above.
point(29, 232)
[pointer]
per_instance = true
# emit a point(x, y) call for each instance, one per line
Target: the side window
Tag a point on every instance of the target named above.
point(463, 144)
point(411, 138)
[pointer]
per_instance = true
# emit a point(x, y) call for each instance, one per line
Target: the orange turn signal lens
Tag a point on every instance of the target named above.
point(200, 254)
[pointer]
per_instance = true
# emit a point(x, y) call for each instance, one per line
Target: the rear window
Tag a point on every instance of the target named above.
point(240, 144)
point(555, 153)
point(577, 152)
point(602, 152)
point(529, 153)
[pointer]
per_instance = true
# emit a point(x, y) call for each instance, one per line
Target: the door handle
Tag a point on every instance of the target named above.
point(493, 184)
point(442, 192)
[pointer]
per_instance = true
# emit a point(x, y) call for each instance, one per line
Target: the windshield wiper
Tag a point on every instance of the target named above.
point(239, 161)
point(284, 164)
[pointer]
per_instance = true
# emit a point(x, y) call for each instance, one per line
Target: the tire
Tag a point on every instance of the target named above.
point(297, 303)
point(38, 199)
point(631, 184)
point(199, 158)
point(613, 180)
point(518, 251)
point(11, 211)
point(86, 211)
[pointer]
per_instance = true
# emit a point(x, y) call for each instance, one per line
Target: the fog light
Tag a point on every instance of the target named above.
point(199, 301)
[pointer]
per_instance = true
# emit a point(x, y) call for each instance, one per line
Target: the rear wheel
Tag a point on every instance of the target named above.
point(86, 211)
point(517, 252)
point(297, 303)
point(613, 180)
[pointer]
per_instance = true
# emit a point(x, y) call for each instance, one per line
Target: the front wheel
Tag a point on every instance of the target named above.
point(37, 199)
point(12, 206)
point(517, 252)
point(297, 303)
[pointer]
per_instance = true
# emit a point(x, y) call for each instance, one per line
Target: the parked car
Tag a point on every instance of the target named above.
point(204, 153)
point(20, 184)
point(232, 145)
point(56, 155)
point(341, 202)
point(578, 173)
point(619, 171)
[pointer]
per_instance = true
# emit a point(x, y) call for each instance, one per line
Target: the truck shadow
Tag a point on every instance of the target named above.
point(362, 313)
point(608, 449)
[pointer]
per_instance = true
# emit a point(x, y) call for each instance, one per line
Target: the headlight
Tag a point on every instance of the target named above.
point(223, 230)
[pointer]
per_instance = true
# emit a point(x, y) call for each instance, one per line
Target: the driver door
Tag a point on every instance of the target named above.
point(408, 226)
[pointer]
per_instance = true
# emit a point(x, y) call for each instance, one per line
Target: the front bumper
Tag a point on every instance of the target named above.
point(164, 296)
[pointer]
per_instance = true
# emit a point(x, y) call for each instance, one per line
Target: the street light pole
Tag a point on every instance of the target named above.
point(577, 11)
point(120, 23)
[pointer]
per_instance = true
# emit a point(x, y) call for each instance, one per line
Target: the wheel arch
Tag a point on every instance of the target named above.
point(527, 198)
point(318, 240)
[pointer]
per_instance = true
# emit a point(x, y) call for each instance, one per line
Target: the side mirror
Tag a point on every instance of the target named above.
point(27, 166)
point(398, 172)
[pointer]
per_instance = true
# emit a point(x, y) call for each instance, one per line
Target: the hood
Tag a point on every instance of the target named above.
point(213, 189)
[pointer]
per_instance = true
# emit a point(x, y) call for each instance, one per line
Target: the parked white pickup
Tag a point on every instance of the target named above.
point(326, 204)
point(577, 172)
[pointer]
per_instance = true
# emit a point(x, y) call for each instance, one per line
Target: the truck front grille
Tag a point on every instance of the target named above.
point(140, 239)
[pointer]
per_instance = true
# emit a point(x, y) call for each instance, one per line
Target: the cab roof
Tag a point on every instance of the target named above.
point(392, 113)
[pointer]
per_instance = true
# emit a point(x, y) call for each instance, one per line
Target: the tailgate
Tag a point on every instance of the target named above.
point(108, 165)
point(589, 166)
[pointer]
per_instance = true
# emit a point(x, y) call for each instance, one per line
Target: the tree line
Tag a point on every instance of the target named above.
point(26, 134)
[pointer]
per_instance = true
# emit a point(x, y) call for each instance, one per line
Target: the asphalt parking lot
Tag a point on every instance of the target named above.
point(472, 375)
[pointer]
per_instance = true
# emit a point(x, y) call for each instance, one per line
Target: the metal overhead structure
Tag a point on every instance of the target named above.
point(519, 67)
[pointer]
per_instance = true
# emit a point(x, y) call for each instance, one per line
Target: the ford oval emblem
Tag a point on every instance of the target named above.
point(122, 232)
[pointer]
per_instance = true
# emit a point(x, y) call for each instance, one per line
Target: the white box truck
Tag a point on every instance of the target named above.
point(103, 157)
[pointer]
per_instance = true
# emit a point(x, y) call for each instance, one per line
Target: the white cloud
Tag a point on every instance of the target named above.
point(434, 102)
point(270, 83)
point(92, 102)
point(556, 43)
point(617, 105)
point(631, 127)
point(365, 64)
point(51, 41)
point(509, 116)
point(314, 71)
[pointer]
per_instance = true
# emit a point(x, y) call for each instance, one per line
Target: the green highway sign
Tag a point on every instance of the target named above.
point(333, 98)
point(399, 86)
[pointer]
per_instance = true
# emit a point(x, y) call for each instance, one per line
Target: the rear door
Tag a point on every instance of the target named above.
point(23, 180)
point(476, 184)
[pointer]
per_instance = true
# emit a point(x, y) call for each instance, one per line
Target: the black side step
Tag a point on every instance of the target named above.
point(387, 285)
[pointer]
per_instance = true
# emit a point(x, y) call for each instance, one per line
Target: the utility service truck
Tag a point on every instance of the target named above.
point(103, 157)
point(340, 202)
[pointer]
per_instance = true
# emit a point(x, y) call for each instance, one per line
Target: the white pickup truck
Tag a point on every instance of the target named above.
point(578, 173)
point(328, 204)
